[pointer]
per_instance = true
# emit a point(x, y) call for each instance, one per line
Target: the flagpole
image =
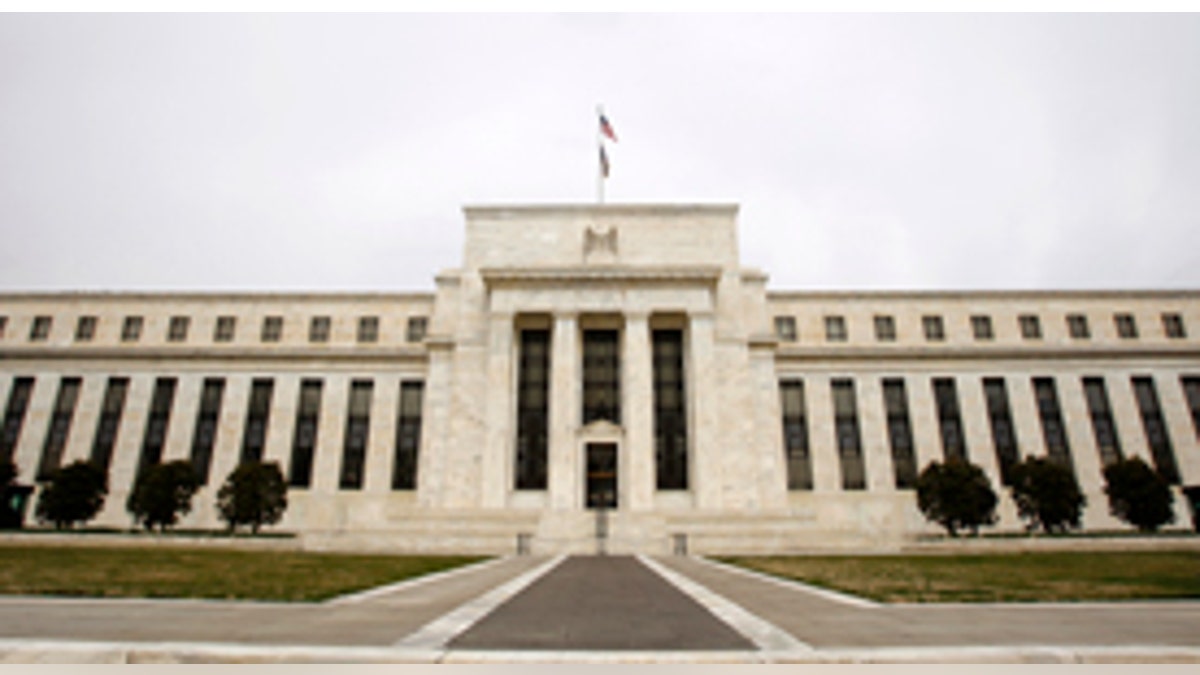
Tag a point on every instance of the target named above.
point(599, 164)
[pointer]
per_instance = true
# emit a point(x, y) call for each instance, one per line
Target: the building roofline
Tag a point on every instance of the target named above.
point(996, 294)
point(215, 295)
point(528, 210)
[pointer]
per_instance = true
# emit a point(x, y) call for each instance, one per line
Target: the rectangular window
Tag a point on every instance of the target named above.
point(1031, 326)
point(110, 422)
point(14, 416)
point(1058, 450)
point(601, 376)
point(223, 332)
point(885, 328)
point(795, 435)
point(981, 327)
point(3, 325)
point(368, 329)
point(945, 396)
point(408, 436)
point(934, 328)
point(1173, 326)
point(39, 330)
point(785, 328)
point(670, 411)
point(358, 432)
point(258, 415)
point(85, 329)
point(204, 435)
point(131, 329)
point(177, 329)
point(416, 328)
point(1156, 429)
point(304, 440)
point(835, 329)
point(1103, 426)
point(156, 423)
point(904, 457)
point(60, 427)
point(845, 418)
point(1004, 436)
point(1077, 326)
point(318, 329)
point(1191, 391)
point(272, 328)
point(1126, 326)
point(533, 404)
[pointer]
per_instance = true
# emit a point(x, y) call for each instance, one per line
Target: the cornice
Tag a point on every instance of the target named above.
point(1049, 294)
point(915, 353)
point(708, 274)
point(215, 296)
point(273, 354)
point(526, 211)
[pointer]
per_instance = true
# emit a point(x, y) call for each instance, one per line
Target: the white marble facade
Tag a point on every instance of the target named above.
point(568, 270)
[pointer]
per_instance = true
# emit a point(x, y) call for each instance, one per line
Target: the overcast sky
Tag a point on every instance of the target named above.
point(261, 152)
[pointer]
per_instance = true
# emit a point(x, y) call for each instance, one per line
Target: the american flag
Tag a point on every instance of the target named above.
point(606, 128)
point(603, 162)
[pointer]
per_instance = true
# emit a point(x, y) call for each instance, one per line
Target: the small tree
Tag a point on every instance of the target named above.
point(1138, 495)
point(956, 495)
point(162, 493)
point(254, 494)
point(1047, 494)
point(74, 494)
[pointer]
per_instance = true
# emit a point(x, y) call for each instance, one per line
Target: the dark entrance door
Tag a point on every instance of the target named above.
point(601, 476)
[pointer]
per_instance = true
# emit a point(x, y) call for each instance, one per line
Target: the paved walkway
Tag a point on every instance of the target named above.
point(592, 609)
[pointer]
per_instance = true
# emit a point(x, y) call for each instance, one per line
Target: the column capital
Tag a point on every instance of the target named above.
point(566, 315)
point(640, 315)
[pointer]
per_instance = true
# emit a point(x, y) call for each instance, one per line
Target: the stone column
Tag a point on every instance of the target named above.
point(927, 434)
point(705, 468)
point(28, 453)
point(636, 464)
point(564, 464)
point(497, 460)
point(282, 423)
point(436, 432)
point(331, 434)
point(1178, 418)
point(87, 417)
point(1127, 417)
point(178, 443)
point(1027, 422)
point(381, 449)
point(977, 429)
point(1077, 421)
point(227, 447)
point(126, 449)
point(876, 447)
point(822, 439)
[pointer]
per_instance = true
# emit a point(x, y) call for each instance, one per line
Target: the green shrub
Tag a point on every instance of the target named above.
point(956, 495)
point(74, 494)
point(1138, 495)
point(1047, 495)
point(163, 493)
point(254, 494)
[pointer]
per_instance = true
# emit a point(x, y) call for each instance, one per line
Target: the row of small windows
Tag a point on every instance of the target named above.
point(934, 328)
point(950, 426)
point(224, 329)
point(205, 427)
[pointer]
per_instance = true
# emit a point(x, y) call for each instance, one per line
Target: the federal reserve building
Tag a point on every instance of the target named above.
point(602, 368)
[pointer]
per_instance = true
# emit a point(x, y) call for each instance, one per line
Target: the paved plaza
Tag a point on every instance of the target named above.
point(593, 609)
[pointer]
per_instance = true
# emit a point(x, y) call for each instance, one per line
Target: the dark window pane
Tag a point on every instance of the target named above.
point(670, 412)
point(204, 435)
point(533, 386)
point(258, 415)
point(358, 431)
point(408, 436)
point(1156, 429)
point(795, 435)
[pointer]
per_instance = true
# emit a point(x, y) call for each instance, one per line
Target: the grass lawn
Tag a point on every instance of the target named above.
point(164, 572)
point(1014, 577)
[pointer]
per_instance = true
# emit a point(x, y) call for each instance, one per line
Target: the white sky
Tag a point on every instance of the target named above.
point(215, 152)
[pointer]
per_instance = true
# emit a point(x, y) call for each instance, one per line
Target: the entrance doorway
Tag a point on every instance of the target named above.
point(601, 476)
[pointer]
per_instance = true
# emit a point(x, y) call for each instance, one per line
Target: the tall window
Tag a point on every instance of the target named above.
point(39, 330)
point(156, 423)
point(368, 329)
point(885, 328)
point(14, 416)
point(601, 376)
point(785, 328)
point(318, 329)
point(1077, 326)
point(1173, 326)
point(131, 329)
point(845, 418)
point(204, 435)
point(945, 395)
point(670, 411)
point(1191, 390)
point(85, 329)
point(272, 328)
point(904, 458)
point(795, 435)
point(1031, 326)
point(935, 329)
point(533, 401)
point(408, 436)
point(177, 328)
point(110, 422)
point(1126, 326)
point(3, 325)
point(835, 328)
point(1103, 426)
point(304, 440)
point(1156, 429)
point(223, 332)
point(1057, 448)
point(981, 327)
point(1004, 437)
point(358, 432)
point(60, 426)
point(416, 328)
point(258, 414)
